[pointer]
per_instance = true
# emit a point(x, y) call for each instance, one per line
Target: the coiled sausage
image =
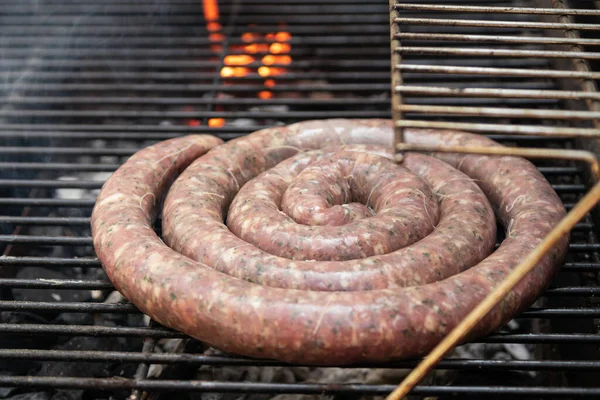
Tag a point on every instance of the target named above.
point(319, 312)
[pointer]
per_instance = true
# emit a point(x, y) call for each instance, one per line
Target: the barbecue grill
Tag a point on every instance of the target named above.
point(85, 84)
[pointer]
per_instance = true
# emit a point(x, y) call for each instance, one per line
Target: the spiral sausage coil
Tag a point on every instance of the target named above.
point(308, 244)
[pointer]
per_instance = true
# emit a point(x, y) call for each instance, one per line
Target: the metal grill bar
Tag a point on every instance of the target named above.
point(444, 43)
point(496, 24)
point(196, 359)
point(129, 308)
point(319, 389)
point(493, 10)
point(452, 37)
point(95, 330)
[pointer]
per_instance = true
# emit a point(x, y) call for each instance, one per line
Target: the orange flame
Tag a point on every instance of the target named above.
point(211, 14)
point(211, 10)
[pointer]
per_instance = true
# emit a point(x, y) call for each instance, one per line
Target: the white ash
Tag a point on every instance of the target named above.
point(243, 122)
point(498, 351)
point(69, 193)
point(173, 346)
point(270, 108)
point(114, 297)
point(77, 193)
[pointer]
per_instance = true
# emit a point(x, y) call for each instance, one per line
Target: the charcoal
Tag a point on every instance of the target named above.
point(6, 391)
point(518, 351)
point(290, 375)
point(74, 319)
point(95, 369)
point(68, 395)
point(31, 396)
point(48, 295)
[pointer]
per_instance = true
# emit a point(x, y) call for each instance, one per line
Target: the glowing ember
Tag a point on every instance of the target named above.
point(216, 122)
point(249, 37)
point(271, 59)
point(216, 37)
point(279, 48)
point(211, 14)
point(213, 26)
point(191, 122)
point(283, 36)
point(264, 71)
point(274, 50)
point(256, 48)
point(242, 59)
point(227, 72)
point(240, 72)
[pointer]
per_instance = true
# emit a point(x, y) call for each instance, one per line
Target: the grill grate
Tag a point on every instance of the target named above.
point(85, 84)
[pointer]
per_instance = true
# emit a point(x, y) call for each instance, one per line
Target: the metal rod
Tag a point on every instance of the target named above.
point(495, 9)
point(45, 220)
point(83, 307)
point(186, 76)
point(185, 63)
point(498, 93)
point(199, 359)
point(50, 261)
point(575, 291)
point(26, 201)
point(581, 64)
point(485, 71)
point(112, 132)
point(89, 330)
point(496, 24)
point(195, 114)
point(452, 51)
point(184, 88)
point(194, 100)
point(563, 228)
point(554, 154)
point(55, 284)
point(50, 166)
point(396, 79)
point(79, 307)
point(47, 240)
point(348, 389)
point(539, 130)
point(501, 112)
point(97, 330)
point(39, 183)
point(496, 38)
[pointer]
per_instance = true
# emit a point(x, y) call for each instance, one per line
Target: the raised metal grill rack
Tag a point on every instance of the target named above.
point(85, 83)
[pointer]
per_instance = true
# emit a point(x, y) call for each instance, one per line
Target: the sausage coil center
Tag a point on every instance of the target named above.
point(307, 244)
